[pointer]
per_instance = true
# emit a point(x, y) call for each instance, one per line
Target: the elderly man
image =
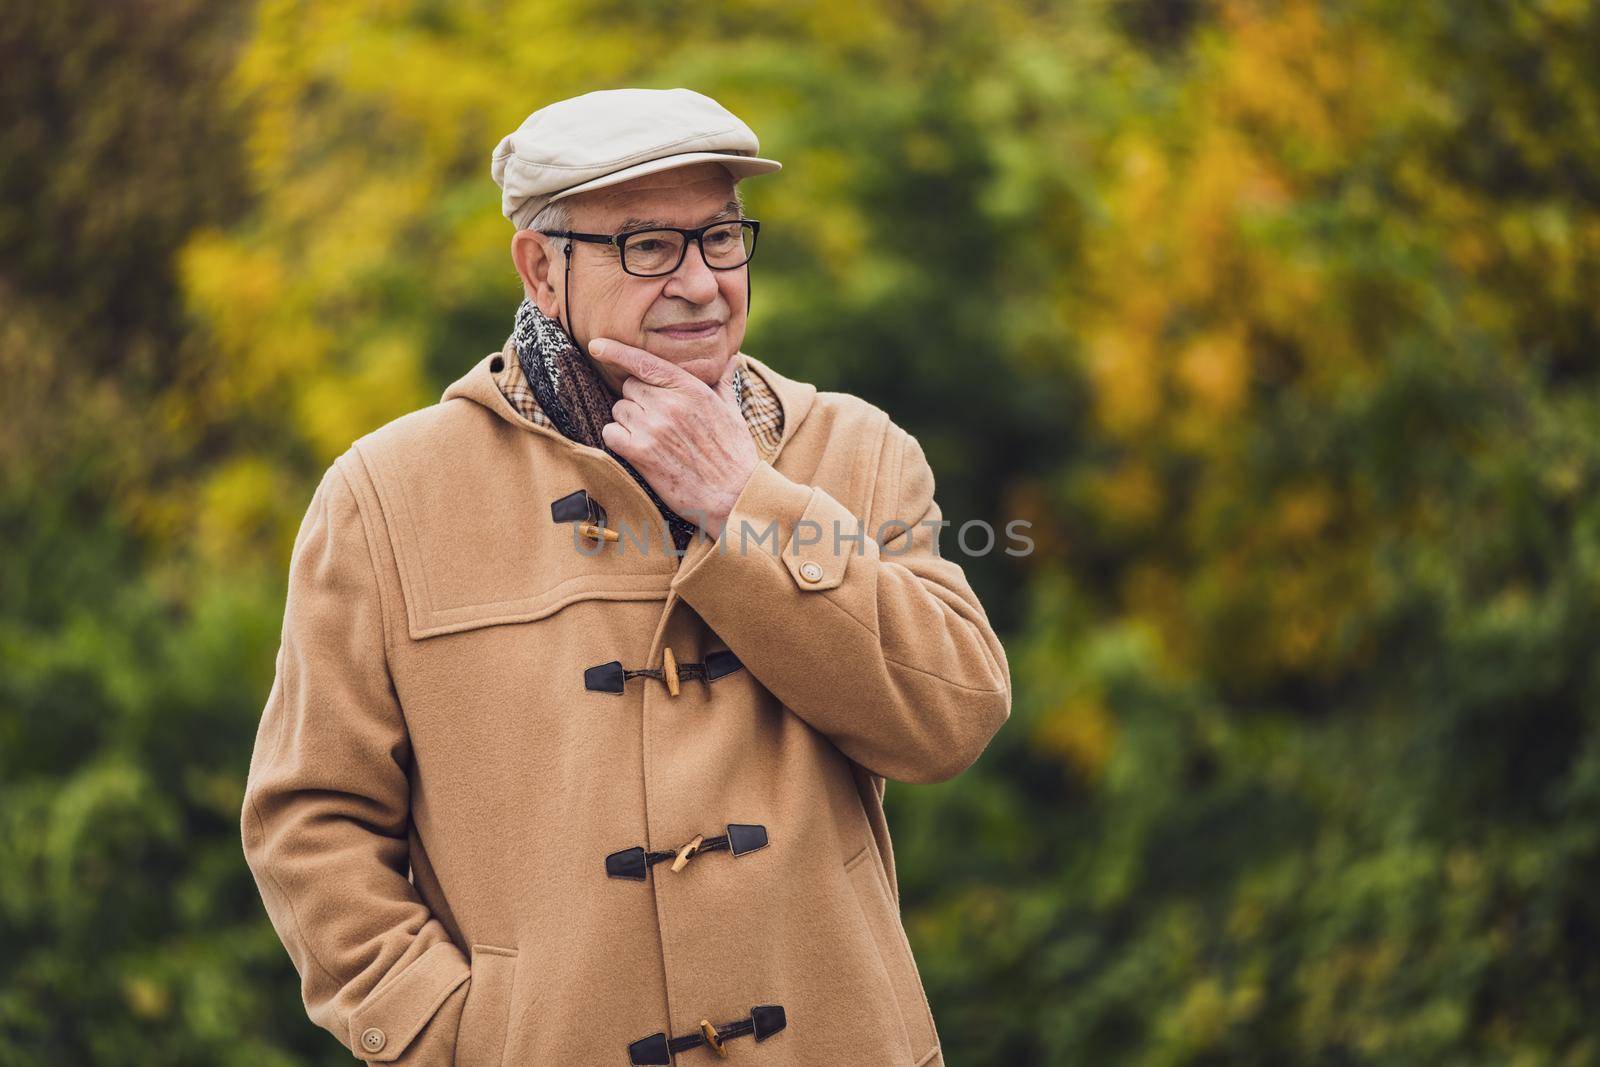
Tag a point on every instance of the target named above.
point(593, 672)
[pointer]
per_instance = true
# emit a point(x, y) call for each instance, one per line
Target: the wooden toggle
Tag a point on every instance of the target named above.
point(669, 670)
point(686, 851)
point(713, 1042)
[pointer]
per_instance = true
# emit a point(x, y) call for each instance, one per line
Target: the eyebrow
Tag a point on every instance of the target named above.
point(731, 208)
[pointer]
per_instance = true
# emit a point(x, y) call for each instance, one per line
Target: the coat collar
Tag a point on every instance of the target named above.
point(478, 385)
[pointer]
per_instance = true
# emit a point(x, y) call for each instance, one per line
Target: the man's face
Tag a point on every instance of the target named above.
point(695, 316)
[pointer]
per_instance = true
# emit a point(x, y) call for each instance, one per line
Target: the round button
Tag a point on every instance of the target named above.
point(372, 1039)
point(811, 572)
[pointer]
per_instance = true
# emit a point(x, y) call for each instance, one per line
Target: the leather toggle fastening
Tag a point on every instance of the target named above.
point(581, 508)
point(658, 1049)
point(635, 862)
point(609, 677)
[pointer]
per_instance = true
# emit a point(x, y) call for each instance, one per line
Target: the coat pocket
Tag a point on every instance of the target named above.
point(889, 936)
point(484, 1017)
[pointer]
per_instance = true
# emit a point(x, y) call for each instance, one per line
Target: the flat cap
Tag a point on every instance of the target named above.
point(612, 135)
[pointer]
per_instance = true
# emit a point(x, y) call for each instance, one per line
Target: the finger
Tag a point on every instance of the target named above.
point(617, 438)
point(646, 366)
point(635, 389)
point(626, 412)
point(724, 386)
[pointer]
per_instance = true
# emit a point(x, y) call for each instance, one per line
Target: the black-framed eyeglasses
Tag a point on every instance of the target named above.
point(656, 250)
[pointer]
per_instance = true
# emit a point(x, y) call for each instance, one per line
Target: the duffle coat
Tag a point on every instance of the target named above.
point(486, 841)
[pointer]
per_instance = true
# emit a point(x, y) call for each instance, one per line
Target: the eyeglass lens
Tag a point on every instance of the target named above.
point(659, 251)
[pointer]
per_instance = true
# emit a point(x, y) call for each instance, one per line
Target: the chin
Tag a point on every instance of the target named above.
point(704, 360)
point(707, 368)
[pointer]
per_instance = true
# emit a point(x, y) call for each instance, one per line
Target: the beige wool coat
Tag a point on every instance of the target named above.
point(485, 842)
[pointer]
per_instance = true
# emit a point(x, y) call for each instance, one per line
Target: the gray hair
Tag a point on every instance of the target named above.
point(556, 215)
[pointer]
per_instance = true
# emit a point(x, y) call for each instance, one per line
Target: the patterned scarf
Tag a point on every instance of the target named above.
point(577, 399)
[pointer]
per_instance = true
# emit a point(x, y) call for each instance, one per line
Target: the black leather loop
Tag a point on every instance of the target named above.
point(635, 863)
point(763, 1021)
point(610, 677)
point(605, 677)
point(720, 664)
point(577, 506)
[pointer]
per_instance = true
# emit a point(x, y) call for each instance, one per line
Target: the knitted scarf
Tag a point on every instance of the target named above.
point(577, 399)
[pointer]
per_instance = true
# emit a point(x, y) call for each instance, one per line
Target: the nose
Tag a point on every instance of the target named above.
point(694, 281)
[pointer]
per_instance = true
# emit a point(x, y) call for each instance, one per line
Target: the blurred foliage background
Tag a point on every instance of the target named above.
point(1277, 320)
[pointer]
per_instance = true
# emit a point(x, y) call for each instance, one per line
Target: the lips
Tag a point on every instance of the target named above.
point(690, 330)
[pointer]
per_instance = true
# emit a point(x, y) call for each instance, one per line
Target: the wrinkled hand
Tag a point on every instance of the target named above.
point(688, 439)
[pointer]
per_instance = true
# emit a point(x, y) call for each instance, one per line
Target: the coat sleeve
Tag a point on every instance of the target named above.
point(326, 811)
point(883, 648)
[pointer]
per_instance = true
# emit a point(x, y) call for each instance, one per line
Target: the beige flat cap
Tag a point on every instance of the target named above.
point(612, 135)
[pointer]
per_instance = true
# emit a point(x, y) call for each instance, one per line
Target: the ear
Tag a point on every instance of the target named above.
point(538, 261)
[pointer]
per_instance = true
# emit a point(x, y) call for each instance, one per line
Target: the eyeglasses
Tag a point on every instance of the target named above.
point(658, 250)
